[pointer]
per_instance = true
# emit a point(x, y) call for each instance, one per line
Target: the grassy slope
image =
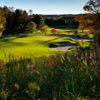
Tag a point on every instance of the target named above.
point(29, 45)
point(32, 45)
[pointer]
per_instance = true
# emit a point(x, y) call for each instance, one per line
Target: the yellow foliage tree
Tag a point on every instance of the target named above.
point(2, 23)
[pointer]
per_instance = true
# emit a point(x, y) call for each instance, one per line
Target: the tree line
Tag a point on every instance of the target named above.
point(93, 7)
point(62, 21)
point(18, 21)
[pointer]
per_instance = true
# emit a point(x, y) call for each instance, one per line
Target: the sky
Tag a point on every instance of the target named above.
point(47, 6)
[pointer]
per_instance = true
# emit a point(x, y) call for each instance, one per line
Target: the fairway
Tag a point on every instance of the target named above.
point(31, 46)
point(27, 46)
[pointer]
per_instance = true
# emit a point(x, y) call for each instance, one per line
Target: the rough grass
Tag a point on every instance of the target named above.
point(59, 77)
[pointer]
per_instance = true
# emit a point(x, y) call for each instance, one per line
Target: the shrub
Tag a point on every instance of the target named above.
point(44, 28)
point(53, 30)
point(31, 26)
point(4, 94)
point(33, 90)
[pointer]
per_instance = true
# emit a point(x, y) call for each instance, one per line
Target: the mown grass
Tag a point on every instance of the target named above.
point(32, 45)
point(58, 77)
point(24, 46)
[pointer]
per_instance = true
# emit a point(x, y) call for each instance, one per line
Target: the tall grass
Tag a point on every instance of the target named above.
point(58, 77)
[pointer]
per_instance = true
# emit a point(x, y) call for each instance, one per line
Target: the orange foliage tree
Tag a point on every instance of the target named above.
point(53, 30)
point(93, 6)
point(85, 21)
point(2, 22)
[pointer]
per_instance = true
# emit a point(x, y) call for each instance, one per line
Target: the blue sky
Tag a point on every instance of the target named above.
point(47, 6)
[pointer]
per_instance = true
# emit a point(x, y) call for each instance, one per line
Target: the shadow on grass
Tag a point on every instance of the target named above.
point(61, 44)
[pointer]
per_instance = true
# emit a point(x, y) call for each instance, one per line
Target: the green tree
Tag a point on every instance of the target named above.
point(39, 21)
point(42, 23)
point(16, 21)
point(31, 26)
point(44, 28)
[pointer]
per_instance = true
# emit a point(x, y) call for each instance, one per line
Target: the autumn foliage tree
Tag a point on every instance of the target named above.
point(85, 22)
point(2, 25)
point(93, 6)
point(2, 22)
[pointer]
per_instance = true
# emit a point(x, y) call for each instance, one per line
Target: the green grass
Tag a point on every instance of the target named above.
point(27, 46)
point(24, 46)
point(31, 45)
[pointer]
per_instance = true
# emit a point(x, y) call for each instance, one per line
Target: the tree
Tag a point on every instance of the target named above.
point(2, 25)
point(85, 21)
point(2, 22)
point(42, 22)
point(39, 21)
point(31, 26)
point(30, 11)
point(93, 6)
point(44, 28)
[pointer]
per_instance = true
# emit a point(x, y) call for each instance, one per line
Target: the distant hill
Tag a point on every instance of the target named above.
point(64, 15)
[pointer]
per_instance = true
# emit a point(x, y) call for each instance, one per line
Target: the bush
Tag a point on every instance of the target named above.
point(54, 30)
point(44, 28)
point(31, 26)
